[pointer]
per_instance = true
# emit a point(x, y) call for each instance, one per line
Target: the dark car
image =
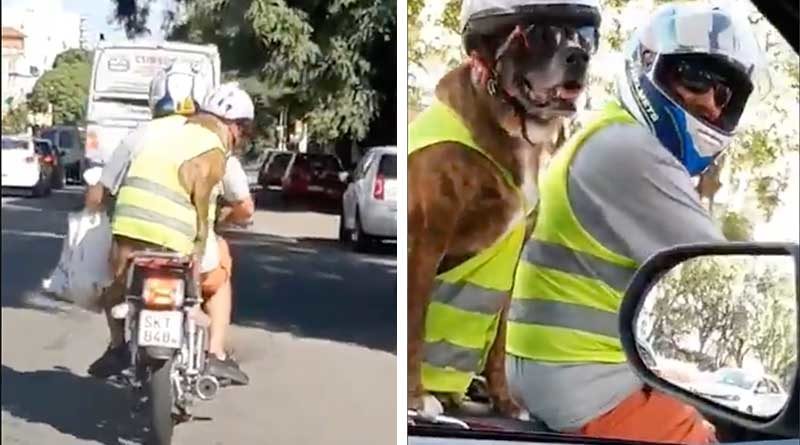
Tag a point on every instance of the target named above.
point(274, 168)
point(313, 175)
point(52, 160)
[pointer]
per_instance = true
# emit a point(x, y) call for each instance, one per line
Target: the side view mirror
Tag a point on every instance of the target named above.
point(717, 318)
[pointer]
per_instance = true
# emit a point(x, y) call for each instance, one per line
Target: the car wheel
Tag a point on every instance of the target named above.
point(60, 180)
point(39, 190)
point(343, 235)
point(360, 240)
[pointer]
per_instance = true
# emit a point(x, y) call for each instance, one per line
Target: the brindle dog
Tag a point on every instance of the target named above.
point(198, 176)
point(459, 204)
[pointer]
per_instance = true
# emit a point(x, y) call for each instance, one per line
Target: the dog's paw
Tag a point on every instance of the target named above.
point(509, 408)
point(430, 406)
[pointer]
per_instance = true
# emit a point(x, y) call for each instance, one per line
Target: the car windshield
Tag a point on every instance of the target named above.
point(14, 144)
point(388, 166)
point(328, 163)
point(734, 377)
point(278, 165)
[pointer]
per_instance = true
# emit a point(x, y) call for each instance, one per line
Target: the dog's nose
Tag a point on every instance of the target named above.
point(576, 57)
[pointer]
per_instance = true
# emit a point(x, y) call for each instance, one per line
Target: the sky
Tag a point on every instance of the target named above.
point(98, 14)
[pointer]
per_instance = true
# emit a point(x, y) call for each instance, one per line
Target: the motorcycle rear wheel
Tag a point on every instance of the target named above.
point(160, 401)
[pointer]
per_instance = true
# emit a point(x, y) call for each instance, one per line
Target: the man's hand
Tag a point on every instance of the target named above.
point(95, 197)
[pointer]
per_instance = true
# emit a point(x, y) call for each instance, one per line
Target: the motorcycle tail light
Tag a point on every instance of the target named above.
point(163, 292)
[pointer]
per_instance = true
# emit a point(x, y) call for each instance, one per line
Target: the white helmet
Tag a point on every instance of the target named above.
point(704, 48)
point(229, 102)
point(177, 89)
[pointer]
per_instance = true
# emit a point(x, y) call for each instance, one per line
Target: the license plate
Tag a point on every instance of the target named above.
point(160, 328)
point(314, 188)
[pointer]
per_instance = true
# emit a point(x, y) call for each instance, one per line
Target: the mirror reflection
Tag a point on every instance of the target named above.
point(725, 328)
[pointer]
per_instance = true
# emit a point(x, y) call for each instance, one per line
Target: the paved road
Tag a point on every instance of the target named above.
point(315, 329)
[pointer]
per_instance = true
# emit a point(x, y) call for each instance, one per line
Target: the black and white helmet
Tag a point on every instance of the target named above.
point(487, 18)
point(230, 102)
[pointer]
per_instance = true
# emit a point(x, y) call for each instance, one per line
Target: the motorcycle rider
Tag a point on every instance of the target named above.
point(617, 192)
point(175, 93)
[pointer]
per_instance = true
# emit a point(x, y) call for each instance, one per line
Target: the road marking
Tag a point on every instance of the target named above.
point(35, 234)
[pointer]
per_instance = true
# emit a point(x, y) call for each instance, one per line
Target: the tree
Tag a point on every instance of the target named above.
point(66, 87)
point(314, 59)
point(718, 311)
point(16, 119)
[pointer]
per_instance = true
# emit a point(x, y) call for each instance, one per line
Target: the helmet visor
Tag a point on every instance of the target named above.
point(698, 29)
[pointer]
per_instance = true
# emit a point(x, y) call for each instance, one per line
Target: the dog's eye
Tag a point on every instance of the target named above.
point(544, 37)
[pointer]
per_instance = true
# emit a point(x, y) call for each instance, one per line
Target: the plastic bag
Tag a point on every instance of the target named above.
point(84, 269)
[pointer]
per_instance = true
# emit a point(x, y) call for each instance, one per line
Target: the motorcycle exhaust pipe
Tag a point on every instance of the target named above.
point(207, 387)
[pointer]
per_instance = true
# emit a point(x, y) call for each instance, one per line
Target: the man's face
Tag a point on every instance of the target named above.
point(699, 104)
point(702, 92)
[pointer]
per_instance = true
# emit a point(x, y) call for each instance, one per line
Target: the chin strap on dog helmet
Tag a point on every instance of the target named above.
point(489, 75)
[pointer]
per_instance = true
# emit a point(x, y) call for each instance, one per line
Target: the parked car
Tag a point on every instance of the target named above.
point(744, 391)
point(313, 175)
point(69, 141)
point(265, 161)
point(55, 158)
point(30, 164)
point(274, 169)
point(369, 205)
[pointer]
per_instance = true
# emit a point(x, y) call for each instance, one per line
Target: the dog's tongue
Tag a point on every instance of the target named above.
point(568, 93)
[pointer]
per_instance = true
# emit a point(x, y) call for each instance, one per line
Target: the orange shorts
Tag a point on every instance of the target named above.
point(649, 415)
point(213, 280)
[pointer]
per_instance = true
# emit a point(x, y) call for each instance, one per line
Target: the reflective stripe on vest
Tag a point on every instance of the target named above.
point(152, 205)
point(463, 315)
point(568, 286)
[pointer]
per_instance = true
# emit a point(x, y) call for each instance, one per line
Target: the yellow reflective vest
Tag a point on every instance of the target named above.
point(462, 318)
point(152, 205)
point(568, 287)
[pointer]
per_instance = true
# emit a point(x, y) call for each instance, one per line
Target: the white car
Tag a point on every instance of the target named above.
point(27, 164)
point(369, 204)
point(743, 391)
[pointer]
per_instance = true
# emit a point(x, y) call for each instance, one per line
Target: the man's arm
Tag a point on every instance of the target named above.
point(236, 192)
point(634, 196)
point(114, 171)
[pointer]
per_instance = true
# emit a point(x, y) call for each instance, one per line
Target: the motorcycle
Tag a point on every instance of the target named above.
point(168, 334)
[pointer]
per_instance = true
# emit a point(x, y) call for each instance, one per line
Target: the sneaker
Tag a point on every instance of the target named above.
point(111, 363)
point(227, 369)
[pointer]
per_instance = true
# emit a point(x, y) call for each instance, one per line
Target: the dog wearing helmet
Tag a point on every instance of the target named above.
point(474, 159)
point(180, 157)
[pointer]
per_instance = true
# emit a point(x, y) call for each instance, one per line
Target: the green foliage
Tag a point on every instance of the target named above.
point(717, 311)
point(66, 87)
point(321, 60)
point(736, 227)
point(16, 120)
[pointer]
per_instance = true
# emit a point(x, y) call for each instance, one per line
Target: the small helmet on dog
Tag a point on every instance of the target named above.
point(531, 54)
point(688, 75)
point(230, 102)
point(177, 89)
point(490, 17)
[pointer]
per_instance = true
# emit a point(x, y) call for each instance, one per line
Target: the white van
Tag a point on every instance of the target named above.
point(121, 75)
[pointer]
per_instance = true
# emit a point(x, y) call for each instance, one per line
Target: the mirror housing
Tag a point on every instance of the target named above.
point(785, 423)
